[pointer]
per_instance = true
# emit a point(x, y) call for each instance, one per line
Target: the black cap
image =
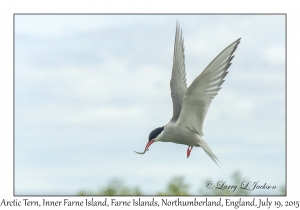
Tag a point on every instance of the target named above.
point(155, 133)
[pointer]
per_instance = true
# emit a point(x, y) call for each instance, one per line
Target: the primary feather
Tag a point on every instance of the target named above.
point(202, 91)
point(178, 80)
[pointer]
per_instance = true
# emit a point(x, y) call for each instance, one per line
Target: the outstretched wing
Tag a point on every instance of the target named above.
point(178, 80)
point(202, 91)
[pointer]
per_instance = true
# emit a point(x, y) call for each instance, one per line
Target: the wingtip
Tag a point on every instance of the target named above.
point(178, 26)
point(236, 42)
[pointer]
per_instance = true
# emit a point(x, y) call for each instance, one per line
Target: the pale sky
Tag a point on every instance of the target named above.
point(90, 88)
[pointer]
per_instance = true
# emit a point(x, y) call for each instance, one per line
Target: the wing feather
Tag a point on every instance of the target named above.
point(204, 88)
point(178, 79)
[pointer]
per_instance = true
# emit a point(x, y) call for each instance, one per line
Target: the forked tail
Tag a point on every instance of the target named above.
point(210, 153)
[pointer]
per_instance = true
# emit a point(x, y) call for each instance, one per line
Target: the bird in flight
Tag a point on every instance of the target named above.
point(190, 105)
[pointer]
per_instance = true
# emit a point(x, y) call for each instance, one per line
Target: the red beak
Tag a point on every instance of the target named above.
point(149, 143)
point(146, 148)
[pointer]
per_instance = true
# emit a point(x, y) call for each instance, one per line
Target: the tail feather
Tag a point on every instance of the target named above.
point(210, 153)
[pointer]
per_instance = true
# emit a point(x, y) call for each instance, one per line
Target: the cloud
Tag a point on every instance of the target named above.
point(274, 56)
point(89, 89)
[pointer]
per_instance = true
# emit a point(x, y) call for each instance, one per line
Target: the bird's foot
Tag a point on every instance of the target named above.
point(189, 151)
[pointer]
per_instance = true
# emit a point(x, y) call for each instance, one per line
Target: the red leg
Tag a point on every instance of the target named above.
point(189, 151)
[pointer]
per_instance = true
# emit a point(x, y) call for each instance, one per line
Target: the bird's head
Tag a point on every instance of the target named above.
point(152, 138)
point(154, 134)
